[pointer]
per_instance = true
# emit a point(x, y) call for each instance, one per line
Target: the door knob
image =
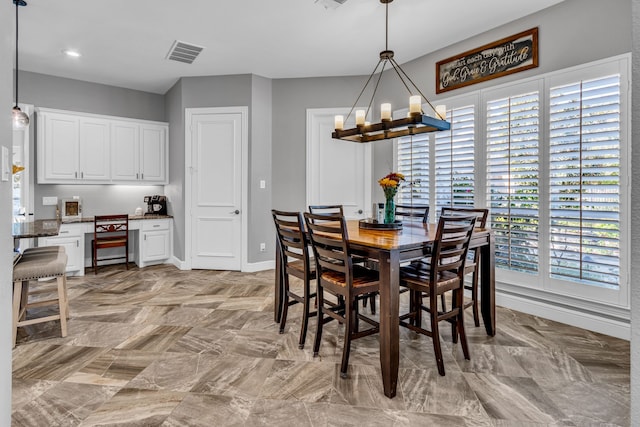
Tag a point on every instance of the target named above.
point(235, 212)
point(360, 211)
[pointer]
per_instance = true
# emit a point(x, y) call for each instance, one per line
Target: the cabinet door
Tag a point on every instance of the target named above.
point(74, 248)
point(125, 151)
point(94, 150)
point(153, 148)
point(155, 246)
point(60, 143)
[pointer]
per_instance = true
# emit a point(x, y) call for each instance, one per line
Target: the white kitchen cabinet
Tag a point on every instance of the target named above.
point(72, 149)
point(155, 242)
point(71, 236)
point(82, 148)
point(139, 152)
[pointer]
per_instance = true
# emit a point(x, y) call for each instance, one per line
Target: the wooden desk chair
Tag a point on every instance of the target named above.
point(473, 259)
point(444, 273)
point(413, 211)
point(294, 252)
point(110, 231)
point(338, 275)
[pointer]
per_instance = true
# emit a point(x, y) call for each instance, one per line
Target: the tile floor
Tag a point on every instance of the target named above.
point(164, 347)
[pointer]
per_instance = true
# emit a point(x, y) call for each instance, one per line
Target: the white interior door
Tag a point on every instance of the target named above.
point(338, 172)
point(216, 188)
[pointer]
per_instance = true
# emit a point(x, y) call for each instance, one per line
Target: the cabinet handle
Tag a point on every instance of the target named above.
point(137, 175)
point(64, 232)
point(75, 174)
point(145, 237)
point(142, 175)
point(77, 243)
point(156, 226)
point(81, 174)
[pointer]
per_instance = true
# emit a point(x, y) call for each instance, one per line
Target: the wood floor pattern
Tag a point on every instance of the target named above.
point(164, 347)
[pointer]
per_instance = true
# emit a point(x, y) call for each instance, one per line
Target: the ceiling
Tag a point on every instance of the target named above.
point(125, 43)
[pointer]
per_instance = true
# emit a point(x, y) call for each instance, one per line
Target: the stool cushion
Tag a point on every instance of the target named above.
point(41, 265)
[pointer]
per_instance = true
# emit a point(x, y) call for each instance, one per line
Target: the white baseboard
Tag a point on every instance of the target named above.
point(565, 315)
point(179, 264)
point(259, 266)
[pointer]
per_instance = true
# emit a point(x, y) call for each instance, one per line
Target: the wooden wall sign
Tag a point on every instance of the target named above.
point(509, 55)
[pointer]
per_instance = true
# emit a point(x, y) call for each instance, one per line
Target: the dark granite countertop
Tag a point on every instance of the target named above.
point(37, 228)
point(131, 218)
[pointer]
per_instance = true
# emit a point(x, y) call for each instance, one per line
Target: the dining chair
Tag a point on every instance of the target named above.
point(443, 274)
point(413, 211)
point(294, 253)
point(337, 209)
point(338, 275)
point(110, 231)
point(473, 258)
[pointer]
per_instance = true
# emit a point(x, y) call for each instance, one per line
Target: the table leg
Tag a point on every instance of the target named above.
point(488, 285)
point(278, 283)
point(389, 323)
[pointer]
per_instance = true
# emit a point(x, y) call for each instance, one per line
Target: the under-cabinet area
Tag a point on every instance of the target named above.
point(149, 242)
point(82, 148)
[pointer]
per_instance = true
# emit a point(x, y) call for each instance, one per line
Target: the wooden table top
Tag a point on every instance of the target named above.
point(412, 234)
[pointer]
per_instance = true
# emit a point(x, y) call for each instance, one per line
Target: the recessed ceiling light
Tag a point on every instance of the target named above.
point(72, 53)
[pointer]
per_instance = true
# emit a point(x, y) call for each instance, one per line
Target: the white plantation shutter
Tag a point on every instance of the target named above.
point(454, 160)
point(584, 139)
point(512, 131)
point(413, 163)
point(453, 163)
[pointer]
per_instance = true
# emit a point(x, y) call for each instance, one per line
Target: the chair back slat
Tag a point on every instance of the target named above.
point(451, 245)
point(291, 237)
point(112, 225)
point(326, 209)
point(480, 213)
point(413, 211)
point(329, 240)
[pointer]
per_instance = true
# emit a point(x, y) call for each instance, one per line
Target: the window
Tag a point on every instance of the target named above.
point(513, 178)
point(550, 159)
point(584, 169)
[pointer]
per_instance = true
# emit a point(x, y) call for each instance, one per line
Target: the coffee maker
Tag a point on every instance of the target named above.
point(156, 205)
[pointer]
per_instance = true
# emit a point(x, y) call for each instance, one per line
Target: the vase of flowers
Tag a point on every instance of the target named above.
point(390, 185)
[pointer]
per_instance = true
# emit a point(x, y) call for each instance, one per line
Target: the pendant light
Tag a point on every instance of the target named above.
point(415, 123)
point(20, 118)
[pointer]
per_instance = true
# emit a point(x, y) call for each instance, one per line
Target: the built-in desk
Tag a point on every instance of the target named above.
point(150, 238)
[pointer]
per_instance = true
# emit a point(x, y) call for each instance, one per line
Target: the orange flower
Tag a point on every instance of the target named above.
point(391, 183)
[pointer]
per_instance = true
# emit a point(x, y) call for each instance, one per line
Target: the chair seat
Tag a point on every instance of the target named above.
point(119, 240)
point(446, 280)
point(362, 277)
point(300, 267)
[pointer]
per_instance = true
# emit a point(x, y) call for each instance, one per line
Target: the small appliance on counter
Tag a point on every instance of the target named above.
point(156, 205)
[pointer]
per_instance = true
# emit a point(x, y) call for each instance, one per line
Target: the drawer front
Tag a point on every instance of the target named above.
point(155, 225)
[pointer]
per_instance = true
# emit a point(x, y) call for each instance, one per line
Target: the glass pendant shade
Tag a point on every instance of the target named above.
point(19, 118)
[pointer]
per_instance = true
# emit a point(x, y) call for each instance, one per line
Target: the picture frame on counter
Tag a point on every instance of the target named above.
point(71, 210)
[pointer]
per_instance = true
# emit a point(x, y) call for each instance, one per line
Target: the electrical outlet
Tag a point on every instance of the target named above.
point(263, 247)
point(49, 201)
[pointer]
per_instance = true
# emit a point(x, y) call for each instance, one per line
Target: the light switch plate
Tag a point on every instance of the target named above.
point(263, 183)
point(6, 171)
point(49, 201)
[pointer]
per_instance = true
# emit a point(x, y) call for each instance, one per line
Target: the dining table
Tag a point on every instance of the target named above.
point(391, 248)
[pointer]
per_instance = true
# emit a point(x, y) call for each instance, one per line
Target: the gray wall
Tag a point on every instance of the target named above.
point(43, 90)
point(635, 219)
point(6, 242)
point(260, 228)
point(175, 189)
point(291, 99)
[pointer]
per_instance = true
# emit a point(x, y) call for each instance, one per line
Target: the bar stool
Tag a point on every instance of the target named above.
point(34, 265)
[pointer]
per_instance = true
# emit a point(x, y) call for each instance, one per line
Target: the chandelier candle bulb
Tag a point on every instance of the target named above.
point(360, 117)
point(441, 112)
point(385, 111)
point(339, 122)
point(415, 104)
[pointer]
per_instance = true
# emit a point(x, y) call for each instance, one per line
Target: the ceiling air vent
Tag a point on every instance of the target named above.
point(184, 52)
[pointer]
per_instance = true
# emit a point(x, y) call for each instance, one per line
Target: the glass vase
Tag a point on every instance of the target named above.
point(389, 211)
